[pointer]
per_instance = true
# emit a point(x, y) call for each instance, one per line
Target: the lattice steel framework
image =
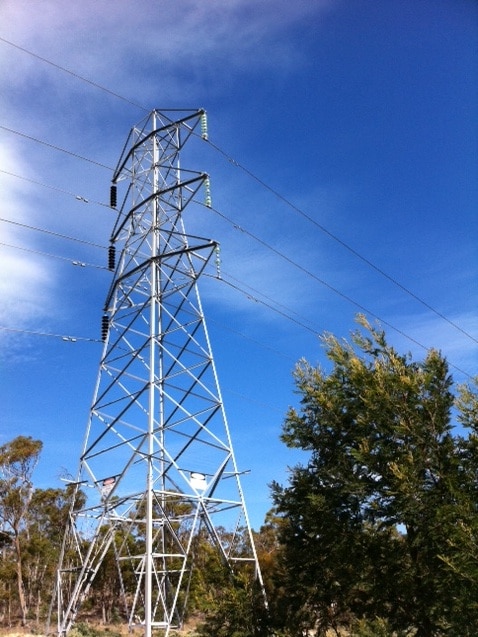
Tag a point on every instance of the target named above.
point(157, 467)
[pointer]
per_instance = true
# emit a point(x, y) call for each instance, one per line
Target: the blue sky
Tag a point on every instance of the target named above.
point(353, 131)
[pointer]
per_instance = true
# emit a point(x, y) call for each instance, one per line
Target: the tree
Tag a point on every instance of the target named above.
point(462, 554)
point(229, 603)
point(42, 541)
point(368, 519)
point(18, 459)
point(238, 608)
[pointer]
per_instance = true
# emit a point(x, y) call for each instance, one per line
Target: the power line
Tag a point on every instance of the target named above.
point(270, 304)
point(321, 281)
point(66, 338)
point(268, 298)
point(265, 244)
point(66, 192)
point(301, 324)
point(53, 233)
point(227, 328)
point(314, 276)
point(289, 260)
point(74, 339)
point(271, 307)
point(63, 150)
point(314, 331)
point(260, 241)
point(85, 79)
point(76, 262)
point(75, 75)
point(337, 239)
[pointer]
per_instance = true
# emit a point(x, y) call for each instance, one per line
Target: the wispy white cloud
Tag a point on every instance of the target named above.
point(177, 43)
point(24, 289)
point(26, 285)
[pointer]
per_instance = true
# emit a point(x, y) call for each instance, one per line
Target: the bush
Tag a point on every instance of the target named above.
point(377, 627)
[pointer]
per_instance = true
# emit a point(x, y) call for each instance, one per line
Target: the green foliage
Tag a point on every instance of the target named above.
point(371, 522)
point(377, 627)
point(461, 554)
point(238, 610)
point(82, 629)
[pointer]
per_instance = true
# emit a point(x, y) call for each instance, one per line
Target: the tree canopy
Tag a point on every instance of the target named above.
point(374, 521)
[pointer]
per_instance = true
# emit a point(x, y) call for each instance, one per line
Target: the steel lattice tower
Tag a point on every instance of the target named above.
point(157, 464)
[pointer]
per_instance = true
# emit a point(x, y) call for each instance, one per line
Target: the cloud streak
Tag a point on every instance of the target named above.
point(172, 41)
point(26, 286)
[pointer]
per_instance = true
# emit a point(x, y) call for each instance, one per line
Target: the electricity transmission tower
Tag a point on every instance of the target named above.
point(157, 469)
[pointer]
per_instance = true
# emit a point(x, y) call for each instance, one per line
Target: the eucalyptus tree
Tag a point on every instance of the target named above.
point(41, 542)
point(18, 459)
